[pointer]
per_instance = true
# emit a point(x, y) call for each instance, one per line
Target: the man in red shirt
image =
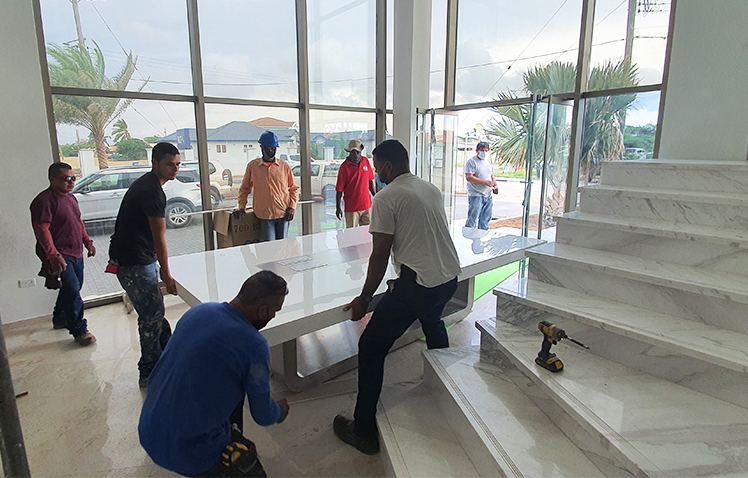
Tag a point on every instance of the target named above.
point(355, 182)
point(60, 238)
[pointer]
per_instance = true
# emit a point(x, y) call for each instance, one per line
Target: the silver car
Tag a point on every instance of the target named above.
point(100, 194)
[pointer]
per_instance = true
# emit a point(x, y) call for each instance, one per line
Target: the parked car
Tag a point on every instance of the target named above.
point(291, 159)
point(324, 177)
point(100, 194)
point(222, 185)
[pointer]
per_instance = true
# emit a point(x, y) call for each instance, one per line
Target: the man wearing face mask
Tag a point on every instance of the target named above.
point(190, 422)
point(355, 182)
point(480, 182)
point(276, 192)
point(408, 223)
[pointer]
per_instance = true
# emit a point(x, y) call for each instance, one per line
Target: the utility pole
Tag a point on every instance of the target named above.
point(628, 49)
point(78, 27)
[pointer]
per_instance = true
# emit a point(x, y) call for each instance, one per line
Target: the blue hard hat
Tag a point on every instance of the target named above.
point(268, 138)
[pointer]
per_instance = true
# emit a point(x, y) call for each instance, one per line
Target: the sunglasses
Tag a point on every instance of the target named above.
point(69, 179)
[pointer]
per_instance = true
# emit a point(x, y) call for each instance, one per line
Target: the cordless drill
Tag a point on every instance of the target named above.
point(551, 336)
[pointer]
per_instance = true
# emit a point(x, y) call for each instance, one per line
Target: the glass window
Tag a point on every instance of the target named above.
point(639, 36)
point(342, 57)
point(239, 129)
point(331, 131)
point(108, 163)
point(496, 47)
point(617, 128)
point(145, 52)
point(249, 49)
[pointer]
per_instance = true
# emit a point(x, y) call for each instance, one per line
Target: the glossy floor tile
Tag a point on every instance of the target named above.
point(80, 415)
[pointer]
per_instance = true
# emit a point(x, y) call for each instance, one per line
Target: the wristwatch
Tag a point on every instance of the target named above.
point(366, 298)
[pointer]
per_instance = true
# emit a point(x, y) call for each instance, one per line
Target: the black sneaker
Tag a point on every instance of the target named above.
point(143, 383)
point(345, 429)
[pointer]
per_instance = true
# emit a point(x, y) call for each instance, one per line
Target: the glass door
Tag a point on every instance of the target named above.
point(436, 145)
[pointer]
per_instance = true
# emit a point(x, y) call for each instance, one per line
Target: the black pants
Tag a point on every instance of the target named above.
point(239, 458)
point(400, 306)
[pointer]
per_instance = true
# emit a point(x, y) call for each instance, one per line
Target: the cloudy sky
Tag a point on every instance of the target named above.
point(249, 51)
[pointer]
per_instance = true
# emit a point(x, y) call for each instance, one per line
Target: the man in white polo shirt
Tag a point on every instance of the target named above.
point(480, 182)
point(407, 221)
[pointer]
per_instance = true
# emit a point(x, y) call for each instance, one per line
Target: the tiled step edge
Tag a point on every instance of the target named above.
point(392, 456)
point(630, 457)
point(679, 335)
point(661, 412)
point(415, 438)
point(680, 195)
point(504, 465)
point(686, 232)
point(664, 274)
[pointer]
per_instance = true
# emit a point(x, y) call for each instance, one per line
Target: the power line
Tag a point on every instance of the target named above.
point(134, 64)
point(528, 46)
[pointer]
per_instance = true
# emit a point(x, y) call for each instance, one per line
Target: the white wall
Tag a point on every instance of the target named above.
point(26, 154)
point(706, 104)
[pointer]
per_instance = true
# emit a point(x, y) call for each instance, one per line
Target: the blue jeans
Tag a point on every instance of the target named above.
point(400, 306)
point(273, 229)
point(69, 306)
point(141, 285)
point(480, 209)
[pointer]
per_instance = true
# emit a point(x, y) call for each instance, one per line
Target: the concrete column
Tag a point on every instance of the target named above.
point(412, 46)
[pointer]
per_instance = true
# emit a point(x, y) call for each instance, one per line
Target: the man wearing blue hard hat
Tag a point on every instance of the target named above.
point(276, 192)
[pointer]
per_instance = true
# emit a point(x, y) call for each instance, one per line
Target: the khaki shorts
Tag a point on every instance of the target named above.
point(357, 218)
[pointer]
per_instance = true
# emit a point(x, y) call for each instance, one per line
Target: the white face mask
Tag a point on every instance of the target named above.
point(482, 154)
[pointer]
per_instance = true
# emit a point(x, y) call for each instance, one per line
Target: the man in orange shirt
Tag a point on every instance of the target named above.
point(275, 190)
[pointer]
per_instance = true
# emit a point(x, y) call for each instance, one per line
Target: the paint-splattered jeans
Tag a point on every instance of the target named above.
point(141, 285)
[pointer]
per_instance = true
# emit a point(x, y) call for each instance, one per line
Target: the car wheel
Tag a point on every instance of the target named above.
point(177, 215)
point(215, 197)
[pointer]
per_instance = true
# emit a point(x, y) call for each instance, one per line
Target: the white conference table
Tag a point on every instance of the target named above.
point(311, 338)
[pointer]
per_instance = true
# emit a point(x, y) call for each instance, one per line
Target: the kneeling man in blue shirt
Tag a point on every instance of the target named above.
point(191, 421)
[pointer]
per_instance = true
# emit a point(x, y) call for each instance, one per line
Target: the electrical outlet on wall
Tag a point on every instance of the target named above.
point(26, 283)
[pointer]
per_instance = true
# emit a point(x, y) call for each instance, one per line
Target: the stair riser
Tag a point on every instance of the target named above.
point(472, 441)
point(709, 180)
point(715, 311)
point(631, 350)
point(722, 258)
point(595, 445)
point(666, 210)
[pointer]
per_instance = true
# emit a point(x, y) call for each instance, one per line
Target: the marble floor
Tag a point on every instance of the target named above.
point(81, 410)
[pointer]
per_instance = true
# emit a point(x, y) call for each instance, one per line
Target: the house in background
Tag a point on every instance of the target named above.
point(236, 143)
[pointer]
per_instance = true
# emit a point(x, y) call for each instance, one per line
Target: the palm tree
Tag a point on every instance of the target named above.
point(76, 67)
point(603, 123)
point(120, 131)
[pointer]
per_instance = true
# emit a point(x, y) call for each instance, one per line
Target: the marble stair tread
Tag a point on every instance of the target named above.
point(690, 232)
point(659, 428)
point(523, 440)
point(667, 274)
point(721, 347)
point(415, 437)
point(679, 164)
point(686, 195)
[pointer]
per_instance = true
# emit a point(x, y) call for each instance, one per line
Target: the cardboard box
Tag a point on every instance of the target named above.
point(231, 231)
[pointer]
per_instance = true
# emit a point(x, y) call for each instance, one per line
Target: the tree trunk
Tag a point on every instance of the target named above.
point(101, 151)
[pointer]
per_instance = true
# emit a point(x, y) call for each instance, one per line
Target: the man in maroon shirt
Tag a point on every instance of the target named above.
point(60, 238)
point(355, 181)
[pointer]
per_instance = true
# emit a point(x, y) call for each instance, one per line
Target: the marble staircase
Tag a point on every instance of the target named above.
point(650, 274)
